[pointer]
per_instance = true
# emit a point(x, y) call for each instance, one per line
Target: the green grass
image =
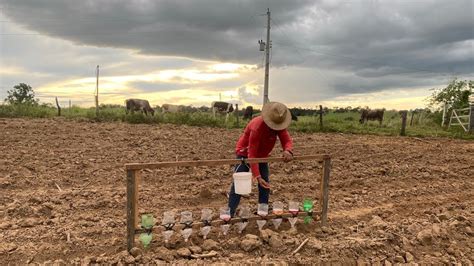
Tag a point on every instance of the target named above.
point(425, 126)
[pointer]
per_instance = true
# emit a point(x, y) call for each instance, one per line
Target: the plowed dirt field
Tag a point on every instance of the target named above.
point(392, 199)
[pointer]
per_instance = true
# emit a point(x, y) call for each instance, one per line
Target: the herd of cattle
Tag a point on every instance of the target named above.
point(144, 106)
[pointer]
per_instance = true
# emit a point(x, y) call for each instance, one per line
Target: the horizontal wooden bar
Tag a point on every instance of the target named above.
point(232, 221)
point(139, 166)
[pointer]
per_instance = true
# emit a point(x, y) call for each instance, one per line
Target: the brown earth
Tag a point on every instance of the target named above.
point(392, 199)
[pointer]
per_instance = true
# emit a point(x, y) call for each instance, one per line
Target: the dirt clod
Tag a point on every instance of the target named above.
point(184, 252)
point(236, 256)
point(399, 259)
point(315, 244)
point(409, 257)
point(135, 252)
point(205, 193)
point(163, 253)
point(425, 237)
point(377, 222)
point(250, 242)
point(195, 249)
point(209, 245)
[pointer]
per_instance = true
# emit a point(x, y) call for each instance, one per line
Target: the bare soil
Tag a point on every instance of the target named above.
point(392, 199)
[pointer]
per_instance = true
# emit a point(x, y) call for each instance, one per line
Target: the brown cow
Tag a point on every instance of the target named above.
point(248, 112)
point(138, 105)
point(368, 114)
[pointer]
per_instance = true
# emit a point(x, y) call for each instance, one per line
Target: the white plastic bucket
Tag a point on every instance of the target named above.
point(242, 183)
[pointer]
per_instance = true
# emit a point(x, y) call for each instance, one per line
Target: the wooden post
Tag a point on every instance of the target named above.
point(325, 189)
point(59, 107)
point(404, 122)
point(97, 93)
point(132, 206)
point(320, 116)
point(471, 117)
point(444, 115)
point(237, 114)
point(411, 119)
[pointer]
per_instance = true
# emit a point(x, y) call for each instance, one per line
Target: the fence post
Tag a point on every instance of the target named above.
point(132, 206)
point(321, 116)
point(237, 114)
point(404, 122)
point(411, 119)
point(59, 107)
point(471, 117)
point(325, 189)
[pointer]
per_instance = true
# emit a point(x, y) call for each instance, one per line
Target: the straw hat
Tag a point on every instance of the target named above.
point(276, 115)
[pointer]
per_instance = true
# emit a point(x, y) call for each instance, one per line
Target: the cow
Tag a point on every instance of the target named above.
point(248, 112)
point(222, 107)
point(132, 105)
point(368, 114)
point(171, 108)
point(293, 116)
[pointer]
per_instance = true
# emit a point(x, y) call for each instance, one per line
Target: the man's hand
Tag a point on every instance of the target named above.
point(261, 182)
point(287, 156)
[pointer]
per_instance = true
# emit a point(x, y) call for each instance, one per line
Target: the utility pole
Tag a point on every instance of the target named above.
point(266, 46)
point(97, 93)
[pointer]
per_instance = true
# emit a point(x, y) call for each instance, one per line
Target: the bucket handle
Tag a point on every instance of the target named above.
point(242, 162)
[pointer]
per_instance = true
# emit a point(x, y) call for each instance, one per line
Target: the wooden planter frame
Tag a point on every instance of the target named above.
point(133, 181)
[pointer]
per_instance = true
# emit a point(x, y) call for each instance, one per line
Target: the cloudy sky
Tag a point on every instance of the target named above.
point(331, 52)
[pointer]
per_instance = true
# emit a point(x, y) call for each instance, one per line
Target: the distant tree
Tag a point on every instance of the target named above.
point(456, 94)
point(21, 94)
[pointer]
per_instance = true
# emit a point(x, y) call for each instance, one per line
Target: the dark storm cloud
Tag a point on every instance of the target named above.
point(368, 45)
point(199, 29)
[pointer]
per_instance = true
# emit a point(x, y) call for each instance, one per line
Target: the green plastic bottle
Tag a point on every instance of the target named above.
point(148, 221)
point(145, 238)
point(308, 207)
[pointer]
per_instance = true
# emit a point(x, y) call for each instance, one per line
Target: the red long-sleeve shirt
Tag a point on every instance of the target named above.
point(258, 141)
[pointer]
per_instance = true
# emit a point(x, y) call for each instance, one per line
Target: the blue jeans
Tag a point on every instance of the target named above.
point(263, 193)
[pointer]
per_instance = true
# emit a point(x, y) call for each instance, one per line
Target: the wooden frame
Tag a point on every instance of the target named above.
point(133, 181)
point(458, 117)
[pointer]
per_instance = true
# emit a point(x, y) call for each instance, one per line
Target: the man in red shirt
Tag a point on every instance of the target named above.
point(257, 141)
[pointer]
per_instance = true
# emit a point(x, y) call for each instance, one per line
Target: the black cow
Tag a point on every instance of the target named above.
point(138, 105)
point(368, 114)
point(293, 116)
point(248, 112)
